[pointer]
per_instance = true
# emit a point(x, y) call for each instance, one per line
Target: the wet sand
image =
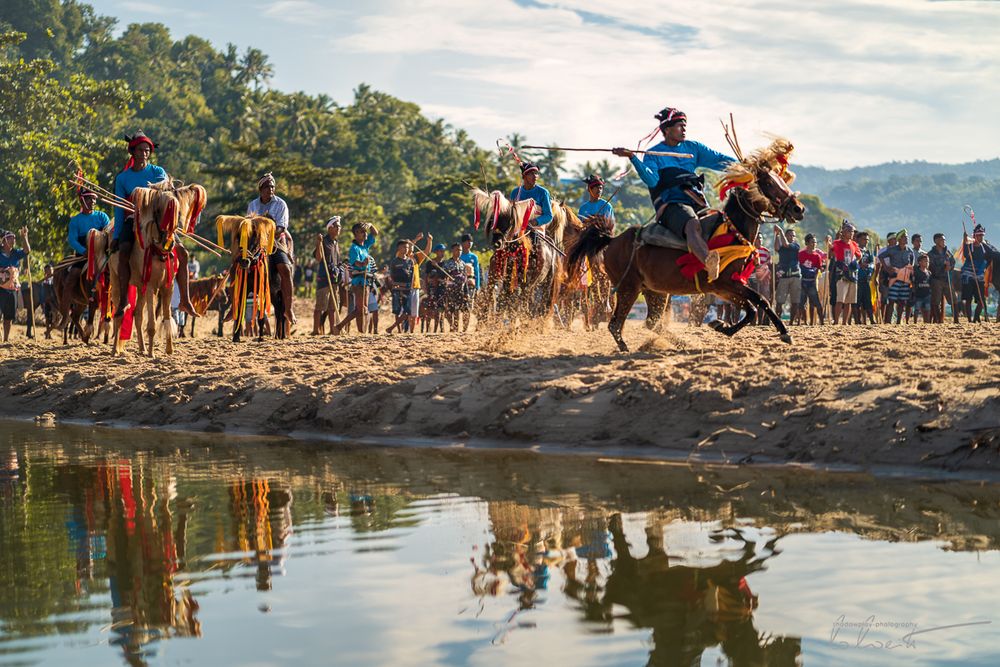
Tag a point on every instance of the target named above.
point(926, 396)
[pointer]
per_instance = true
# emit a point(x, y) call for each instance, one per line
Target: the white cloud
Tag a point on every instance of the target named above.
point(146, 8)
point(850, 82)
point(301, 12)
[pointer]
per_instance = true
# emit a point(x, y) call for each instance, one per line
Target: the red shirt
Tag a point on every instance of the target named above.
point(810, 262)
point(841, 249)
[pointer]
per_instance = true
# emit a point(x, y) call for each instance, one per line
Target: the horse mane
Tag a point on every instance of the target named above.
point(743, 173)
point(150, 204)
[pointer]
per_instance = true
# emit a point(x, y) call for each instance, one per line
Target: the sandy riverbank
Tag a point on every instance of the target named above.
point(919, 395)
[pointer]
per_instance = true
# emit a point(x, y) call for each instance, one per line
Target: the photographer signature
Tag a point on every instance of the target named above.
point(841, 625)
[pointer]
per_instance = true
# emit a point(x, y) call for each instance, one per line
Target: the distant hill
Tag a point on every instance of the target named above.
point(925, 197)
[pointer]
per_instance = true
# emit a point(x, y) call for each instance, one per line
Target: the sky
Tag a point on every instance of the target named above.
point(849, 82)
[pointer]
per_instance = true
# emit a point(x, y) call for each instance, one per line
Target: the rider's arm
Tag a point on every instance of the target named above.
point(647, 169)
point(545, 217)
point(711, 158)
point(74, 236)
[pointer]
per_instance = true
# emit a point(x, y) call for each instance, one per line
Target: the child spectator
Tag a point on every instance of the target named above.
point(922, 289)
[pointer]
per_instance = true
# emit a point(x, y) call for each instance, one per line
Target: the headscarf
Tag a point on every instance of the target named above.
point(135, 140)
point(593, 180)
point(846, 226)
point(267, 178)
point(333, 222)
point(670, 116)
point(528, 167)
point(978, 229)
point(902, 236)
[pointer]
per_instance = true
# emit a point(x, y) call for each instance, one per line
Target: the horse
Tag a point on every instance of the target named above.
point(756, 185)
point(209, 294)
point(251, 241)
point(525, 271)
point(91, 290)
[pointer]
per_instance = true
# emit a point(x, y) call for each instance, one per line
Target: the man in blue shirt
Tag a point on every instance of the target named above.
point(529, 189)
point(673, 185)
point(358, 256)
point(10, 264)
point(139, 172)
point(594, 205)
point(79, 226)
point(470, 258)
point(977, 254)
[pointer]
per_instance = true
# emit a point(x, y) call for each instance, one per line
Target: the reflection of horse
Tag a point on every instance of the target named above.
point(525, 270)
point(251, 240)
point(688, 608)
point(755, 189)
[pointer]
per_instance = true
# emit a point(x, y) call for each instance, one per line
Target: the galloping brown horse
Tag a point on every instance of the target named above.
point(526, 269)
point(760, 186)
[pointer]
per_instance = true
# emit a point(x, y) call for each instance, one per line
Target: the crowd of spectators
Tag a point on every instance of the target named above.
point(850, 283)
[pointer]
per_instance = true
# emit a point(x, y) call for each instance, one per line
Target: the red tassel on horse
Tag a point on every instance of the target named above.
point(91, 268)
point(527, 216)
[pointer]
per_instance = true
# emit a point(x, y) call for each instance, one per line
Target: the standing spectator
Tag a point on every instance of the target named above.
point(328, 250)
point(899, 267)
point(309, 277)
point(365, 234)
point(194, 268)
point(942, 263)
point(457, 292)
point(810, 262)
point(376, 291)
point(865, 311)
point(472, 260)
point(922, 289)
point(977, 256)
point(788, 274)
point(761, 278)
point(845, 256)
point(883, 276)
point(179, 316)
point(418, 258)
point(400, 279)
point(437, 281)
point(48, 299)
point(10, 263)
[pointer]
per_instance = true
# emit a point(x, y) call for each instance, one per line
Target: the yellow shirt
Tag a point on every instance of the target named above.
point(418, 258)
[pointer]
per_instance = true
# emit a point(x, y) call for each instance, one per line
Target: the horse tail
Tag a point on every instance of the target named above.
point(594, 238)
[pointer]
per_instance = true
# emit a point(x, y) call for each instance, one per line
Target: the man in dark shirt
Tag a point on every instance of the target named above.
point(865, 311)
point(401, 283)
point(327, 252)
point(788, 274)
point(941, 264)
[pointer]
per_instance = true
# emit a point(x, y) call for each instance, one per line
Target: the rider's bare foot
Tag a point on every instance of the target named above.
point(712, 264)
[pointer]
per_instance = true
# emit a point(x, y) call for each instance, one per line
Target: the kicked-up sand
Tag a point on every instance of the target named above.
point(917, 395)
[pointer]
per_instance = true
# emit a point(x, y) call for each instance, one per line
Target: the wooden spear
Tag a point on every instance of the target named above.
point(608, 150)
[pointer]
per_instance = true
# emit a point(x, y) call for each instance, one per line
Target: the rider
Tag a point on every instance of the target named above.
point(79, 226)
point(673, 185)
point(594, 204)
point(140, 173)
point(282, 260)
point(530, 190)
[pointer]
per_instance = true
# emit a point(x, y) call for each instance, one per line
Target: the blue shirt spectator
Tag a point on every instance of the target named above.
point(471, 258)
point(359, 257)
point(599, 207)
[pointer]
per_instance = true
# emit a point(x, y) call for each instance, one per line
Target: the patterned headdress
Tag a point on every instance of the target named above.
point(593, 180)
point(670, 116)
point(266, 179)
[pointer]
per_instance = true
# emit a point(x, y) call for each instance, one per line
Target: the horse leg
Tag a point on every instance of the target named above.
point(750, 314)
point(623, 305)
point(167, 321)
point(760, 303)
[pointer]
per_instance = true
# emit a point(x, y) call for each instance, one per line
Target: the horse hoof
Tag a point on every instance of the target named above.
point(787, 338)
point(716, 325)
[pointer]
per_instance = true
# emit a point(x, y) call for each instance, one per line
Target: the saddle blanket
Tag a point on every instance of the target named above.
point(656, 234)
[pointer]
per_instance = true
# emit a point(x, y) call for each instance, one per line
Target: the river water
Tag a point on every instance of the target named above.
point(146, 548)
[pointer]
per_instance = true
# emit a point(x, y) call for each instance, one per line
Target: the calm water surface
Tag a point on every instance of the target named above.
point(142, 548)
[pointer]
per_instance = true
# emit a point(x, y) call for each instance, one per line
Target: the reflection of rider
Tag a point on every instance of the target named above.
point(282, 260)
point(673, 185)
point(79, 226)
point(530, 190)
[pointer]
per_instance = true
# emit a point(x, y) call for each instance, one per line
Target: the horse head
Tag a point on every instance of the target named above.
point(157, 215)
point(765, 179)
point(249, 238)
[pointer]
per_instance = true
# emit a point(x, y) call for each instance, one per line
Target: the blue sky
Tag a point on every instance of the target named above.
point(850, 82)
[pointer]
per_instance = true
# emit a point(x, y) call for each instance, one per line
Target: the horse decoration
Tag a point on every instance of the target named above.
point(754, 186)
point(526, 270)
point(160, 211)
point(251, 240)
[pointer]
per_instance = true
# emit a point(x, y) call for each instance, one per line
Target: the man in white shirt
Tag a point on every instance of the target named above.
point(283, 258)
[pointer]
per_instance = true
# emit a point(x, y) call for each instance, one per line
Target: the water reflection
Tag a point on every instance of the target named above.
point(127, 546)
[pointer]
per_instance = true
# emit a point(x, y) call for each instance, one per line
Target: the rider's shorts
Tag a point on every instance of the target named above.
point(676, 217)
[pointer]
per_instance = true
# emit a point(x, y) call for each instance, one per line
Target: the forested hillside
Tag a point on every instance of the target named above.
point(920, 196)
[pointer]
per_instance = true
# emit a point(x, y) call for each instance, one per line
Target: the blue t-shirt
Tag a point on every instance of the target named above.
point(128, 180)
point(358, 257)
point(788, 260)
point(541, 197)
point(599, 207)
point(471, 258)
point(703, 156)
point(80, 224)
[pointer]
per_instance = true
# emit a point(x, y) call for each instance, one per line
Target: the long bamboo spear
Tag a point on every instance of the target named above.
point(608, 150)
